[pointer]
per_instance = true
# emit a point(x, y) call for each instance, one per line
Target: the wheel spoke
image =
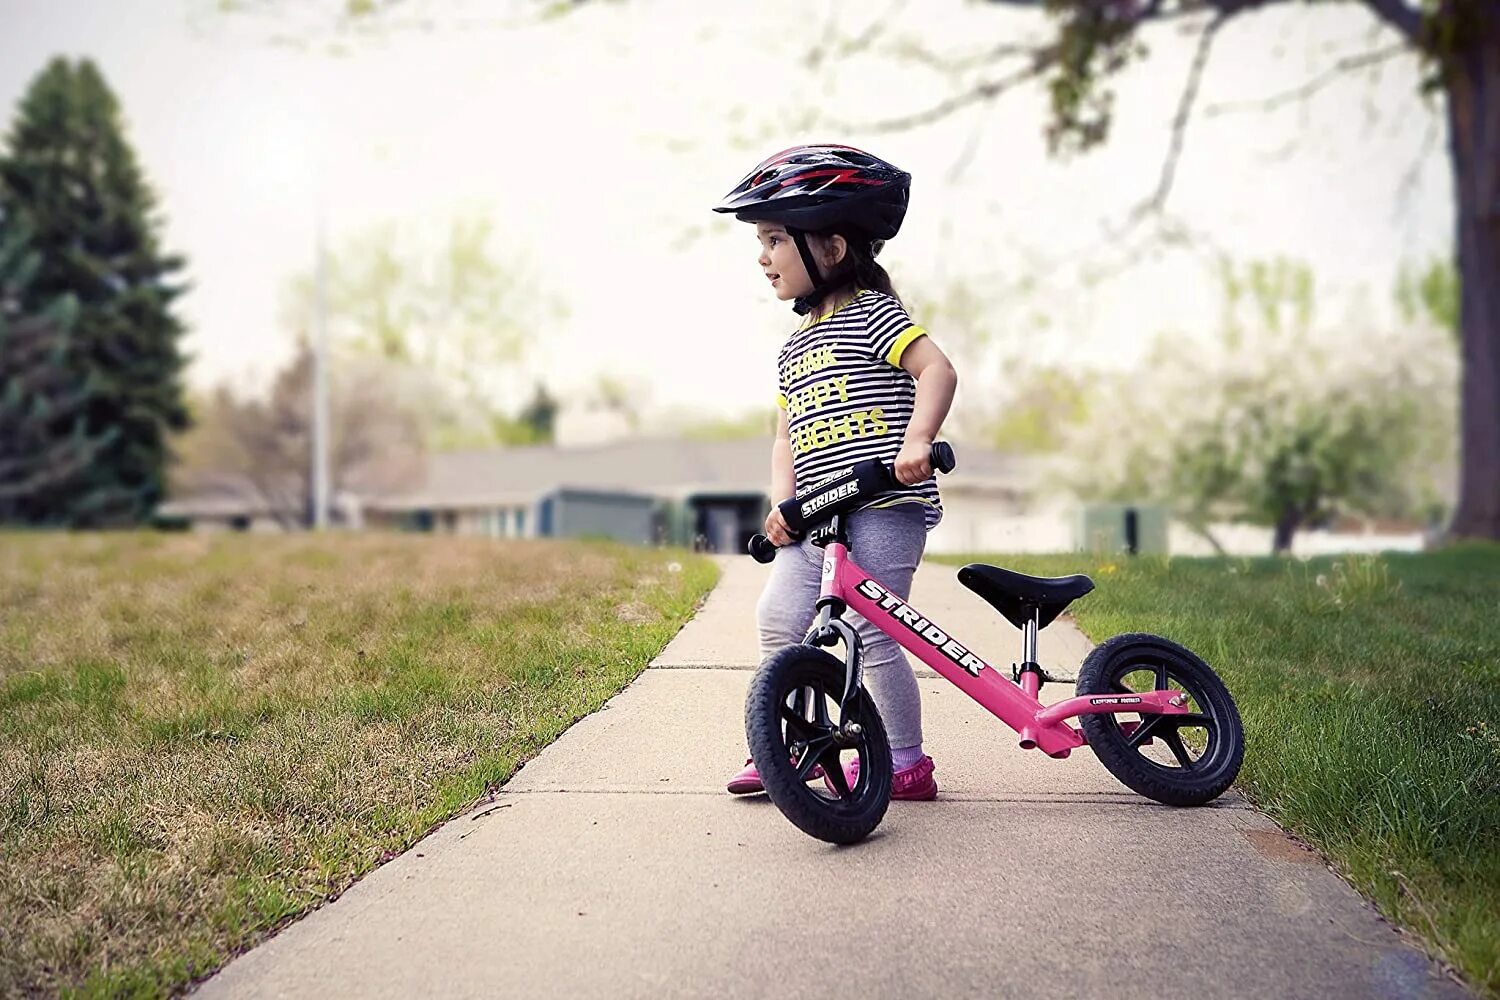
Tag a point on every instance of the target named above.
point(1178, 750)
point(1161, 676)
point(799, 727)
point(815, 749)
point(1192, 719)
point(1144, 729)
point(820, 704)
point(836, 774)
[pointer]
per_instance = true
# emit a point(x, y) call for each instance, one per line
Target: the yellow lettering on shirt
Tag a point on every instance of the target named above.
point(823, 432)
point(808, 362)
point(817, 395)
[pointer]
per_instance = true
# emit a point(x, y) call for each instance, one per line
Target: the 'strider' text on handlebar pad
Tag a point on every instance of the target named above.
point(811, 504)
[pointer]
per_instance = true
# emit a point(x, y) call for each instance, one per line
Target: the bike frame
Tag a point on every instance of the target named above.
point(1016, 705)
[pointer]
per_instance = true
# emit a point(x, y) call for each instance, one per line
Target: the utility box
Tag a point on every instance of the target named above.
point(1131, 529)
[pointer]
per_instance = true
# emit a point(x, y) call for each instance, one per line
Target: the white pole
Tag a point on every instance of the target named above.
point(320, 388)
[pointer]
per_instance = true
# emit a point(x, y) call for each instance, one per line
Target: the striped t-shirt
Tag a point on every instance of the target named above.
point(846, 396)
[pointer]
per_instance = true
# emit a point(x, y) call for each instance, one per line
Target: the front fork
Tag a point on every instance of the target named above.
point(829, 629)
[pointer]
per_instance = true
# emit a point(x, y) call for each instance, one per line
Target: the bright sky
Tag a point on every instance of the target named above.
point(599, 141)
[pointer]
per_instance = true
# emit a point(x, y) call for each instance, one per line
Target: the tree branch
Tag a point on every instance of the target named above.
point(828, 45)
point(1179, 123)
point(62, 467)
point(1317, 83)
point(966, 156)
point(1043, 58)
point(1041, 62)
point(1404, 19)
point(914, 50)
point(1407, 188)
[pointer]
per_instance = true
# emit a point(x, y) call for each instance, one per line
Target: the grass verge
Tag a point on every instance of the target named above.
point(202, 738)
point(1370, 692)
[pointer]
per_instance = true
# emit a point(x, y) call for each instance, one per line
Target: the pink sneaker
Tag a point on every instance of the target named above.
point(748, 780)
point(915, 783)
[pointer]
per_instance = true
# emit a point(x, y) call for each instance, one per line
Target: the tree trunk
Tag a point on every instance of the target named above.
point(1286, 527)
point(1473, 85)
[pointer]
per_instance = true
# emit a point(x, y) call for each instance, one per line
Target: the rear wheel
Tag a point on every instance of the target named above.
point(792, 726)
point(1181, 760)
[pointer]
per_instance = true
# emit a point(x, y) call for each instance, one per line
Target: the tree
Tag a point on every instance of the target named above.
point(70, 178)
point(456, 313)
point(1280, 427)
point(540, 414)
point(1429, 294)
point(621, 396)
point(1047, 401)
point(44, 440)
point(1457, 40)
point(684, 423)
point(1459, 43)
point(261, 449)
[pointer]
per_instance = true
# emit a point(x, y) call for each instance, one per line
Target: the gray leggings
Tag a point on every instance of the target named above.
point(888, 542)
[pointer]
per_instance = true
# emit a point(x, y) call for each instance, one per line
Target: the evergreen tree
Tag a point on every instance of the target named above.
point(541, 413)
point(43, 436)
point(71, 180)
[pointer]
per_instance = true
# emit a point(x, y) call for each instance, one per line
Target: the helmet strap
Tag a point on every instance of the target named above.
point(820, 289)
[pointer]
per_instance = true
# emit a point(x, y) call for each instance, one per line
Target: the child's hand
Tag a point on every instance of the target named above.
point(914, 463)
point(776, 528)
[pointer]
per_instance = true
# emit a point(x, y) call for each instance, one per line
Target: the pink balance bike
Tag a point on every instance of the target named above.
point(1157, 717)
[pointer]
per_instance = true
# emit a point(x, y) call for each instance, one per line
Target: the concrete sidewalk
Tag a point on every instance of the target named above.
point(615, 865)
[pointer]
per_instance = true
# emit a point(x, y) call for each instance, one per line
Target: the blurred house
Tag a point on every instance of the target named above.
point(709, 495)
point(713, 495)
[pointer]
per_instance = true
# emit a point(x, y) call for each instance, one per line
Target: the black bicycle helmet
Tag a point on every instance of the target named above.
point(810, 189)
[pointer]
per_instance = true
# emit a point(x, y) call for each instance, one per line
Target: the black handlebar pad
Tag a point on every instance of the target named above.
point(858, 485)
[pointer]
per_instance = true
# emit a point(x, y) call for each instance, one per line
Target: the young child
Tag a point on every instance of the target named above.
point(857, 380)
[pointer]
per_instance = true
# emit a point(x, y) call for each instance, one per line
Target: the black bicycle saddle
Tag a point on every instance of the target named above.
point(1014, 595)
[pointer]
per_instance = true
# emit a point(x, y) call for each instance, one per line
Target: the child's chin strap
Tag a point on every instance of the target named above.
point(804, 305)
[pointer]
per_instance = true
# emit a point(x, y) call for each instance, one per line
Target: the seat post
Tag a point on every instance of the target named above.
point(1029, 673)
point(1029, 637)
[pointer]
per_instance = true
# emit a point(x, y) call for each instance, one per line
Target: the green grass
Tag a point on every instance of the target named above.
point(203, 737)
point(1370, 693)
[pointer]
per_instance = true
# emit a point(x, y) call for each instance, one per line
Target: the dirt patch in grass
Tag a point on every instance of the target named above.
point(202, 737)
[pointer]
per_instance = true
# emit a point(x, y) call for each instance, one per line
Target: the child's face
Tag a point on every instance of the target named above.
point(781, 262)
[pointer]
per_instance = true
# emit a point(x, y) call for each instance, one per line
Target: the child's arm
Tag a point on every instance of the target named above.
point(936, 381)
point(783, 480)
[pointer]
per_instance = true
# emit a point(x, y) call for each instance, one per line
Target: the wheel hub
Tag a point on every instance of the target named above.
point(850, 735)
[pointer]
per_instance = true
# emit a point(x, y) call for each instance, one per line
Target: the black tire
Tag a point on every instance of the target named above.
point(1122, 744)
point(779, 734)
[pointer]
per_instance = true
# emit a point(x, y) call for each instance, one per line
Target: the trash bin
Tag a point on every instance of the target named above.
point(1130, 529)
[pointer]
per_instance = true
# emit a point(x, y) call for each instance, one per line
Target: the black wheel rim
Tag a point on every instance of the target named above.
point(1191, 744)
point(809, 727)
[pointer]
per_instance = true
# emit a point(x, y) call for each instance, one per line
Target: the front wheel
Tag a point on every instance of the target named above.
point(792, 726)
point(1181, 760)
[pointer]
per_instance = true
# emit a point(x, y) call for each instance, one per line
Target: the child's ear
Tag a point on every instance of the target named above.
point(837, 248)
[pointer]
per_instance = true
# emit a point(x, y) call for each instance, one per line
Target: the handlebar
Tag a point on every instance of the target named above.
point(861, 483)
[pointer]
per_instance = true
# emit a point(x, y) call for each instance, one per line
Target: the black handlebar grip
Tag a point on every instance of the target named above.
point(762, 549)
point(942, 457)
point(864, 479)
